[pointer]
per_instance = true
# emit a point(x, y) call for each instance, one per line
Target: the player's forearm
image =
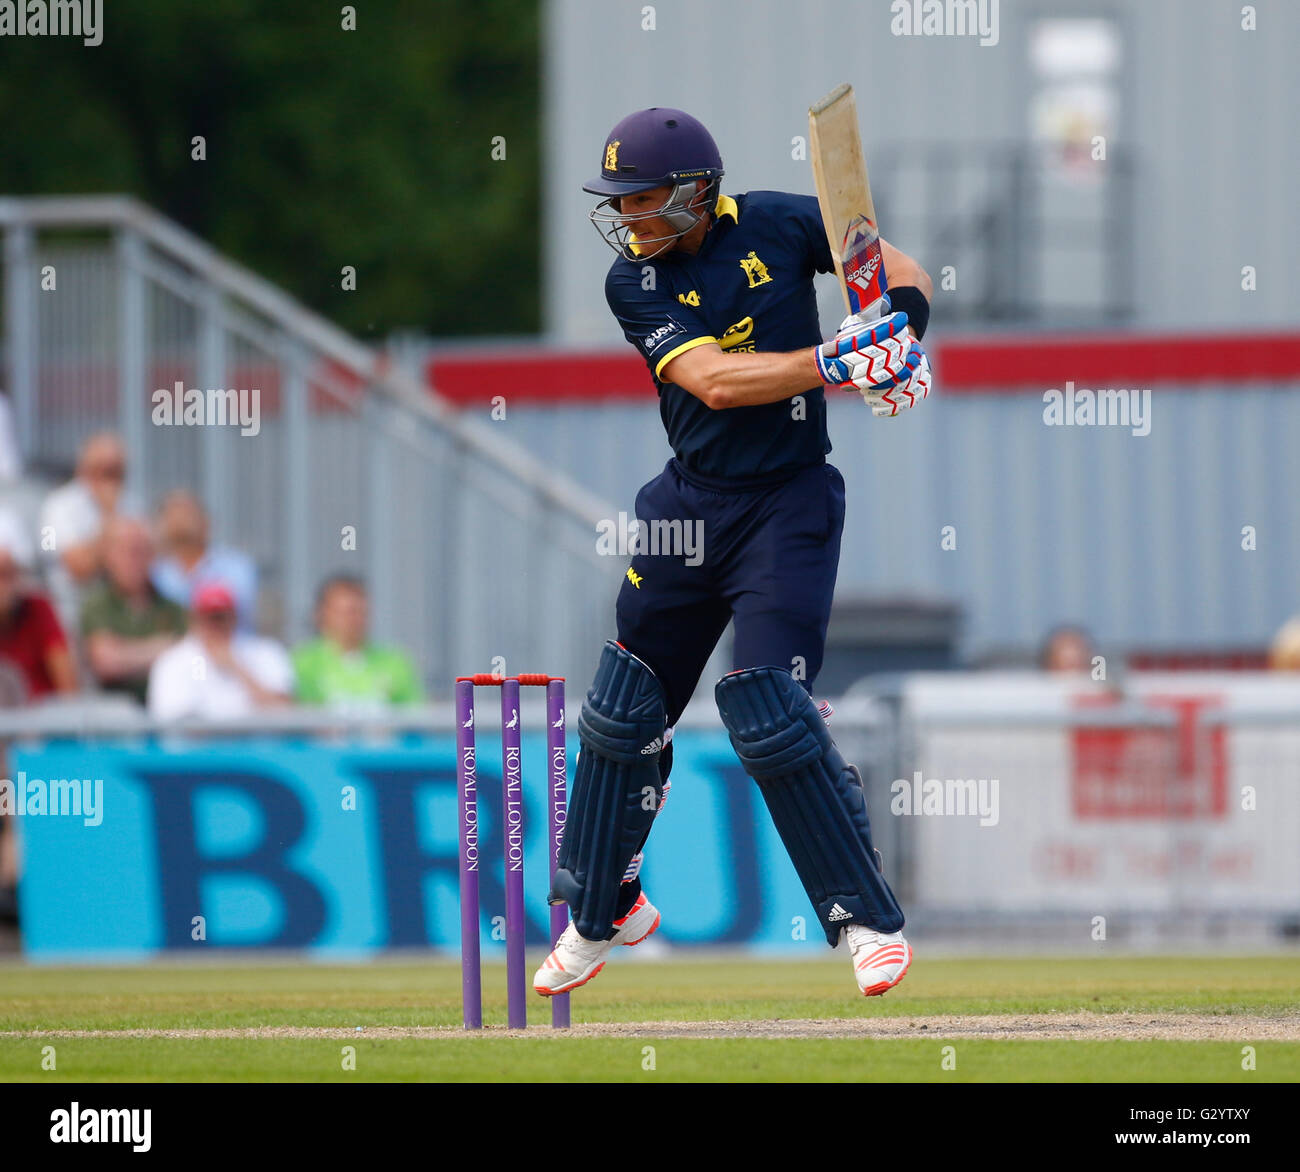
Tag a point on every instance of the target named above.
point(901, 269)
point(722, 380)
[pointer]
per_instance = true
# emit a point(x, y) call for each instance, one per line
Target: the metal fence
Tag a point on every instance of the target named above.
point(473, 548)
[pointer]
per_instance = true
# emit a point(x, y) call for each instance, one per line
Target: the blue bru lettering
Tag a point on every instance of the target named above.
point(185, 867)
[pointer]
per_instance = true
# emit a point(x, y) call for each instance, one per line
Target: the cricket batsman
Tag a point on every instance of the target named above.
point(716, 293)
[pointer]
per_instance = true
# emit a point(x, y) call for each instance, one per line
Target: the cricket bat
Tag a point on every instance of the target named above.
point(845, 198)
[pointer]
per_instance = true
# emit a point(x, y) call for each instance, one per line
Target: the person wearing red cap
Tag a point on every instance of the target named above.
point(218, 672)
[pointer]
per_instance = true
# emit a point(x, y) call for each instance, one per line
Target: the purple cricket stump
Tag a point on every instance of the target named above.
point(557, 772)
point(471, 977)
point(512, 802)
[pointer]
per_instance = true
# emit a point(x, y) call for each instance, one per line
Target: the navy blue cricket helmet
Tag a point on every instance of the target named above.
point(658, 147)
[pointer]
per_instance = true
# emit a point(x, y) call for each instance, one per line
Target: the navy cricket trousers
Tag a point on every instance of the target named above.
point(767, 560)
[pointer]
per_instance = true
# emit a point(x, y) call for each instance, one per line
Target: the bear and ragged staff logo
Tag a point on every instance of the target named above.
point(755, 270)
point(611, 155)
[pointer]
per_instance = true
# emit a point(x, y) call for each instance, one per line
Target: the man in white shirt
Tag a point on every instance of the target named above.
point(217, 672)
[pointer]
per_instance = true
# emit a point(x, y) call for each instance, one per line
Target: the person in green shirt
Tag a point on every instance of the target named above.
point(341, 668)
point(125, 623)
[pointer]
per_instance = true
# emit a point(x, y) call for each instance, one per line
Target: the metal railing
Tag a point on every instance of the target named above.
point(472, 546)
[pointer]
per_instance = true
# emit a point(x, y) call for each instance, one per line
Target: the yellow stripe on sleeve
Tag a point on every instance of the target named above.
point(676, 350)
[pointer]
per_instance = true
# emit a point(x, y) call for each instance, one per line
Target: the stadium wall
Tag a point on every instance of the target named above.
point(1202, 110)
point(1139, 537)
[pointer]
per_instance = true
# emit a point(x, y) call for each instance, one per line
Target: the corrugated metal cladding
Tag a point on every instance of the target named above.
point(1206, 116)
point(1137, 537)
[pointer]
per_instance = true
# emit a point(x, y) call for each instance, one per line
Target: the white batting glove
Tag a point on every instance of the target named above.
point(889, 402)
point(867, 356)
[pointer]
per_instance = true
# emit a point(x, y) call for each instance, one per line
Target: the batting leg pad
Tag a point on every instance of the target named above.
point(615, 792)
point(814, 797)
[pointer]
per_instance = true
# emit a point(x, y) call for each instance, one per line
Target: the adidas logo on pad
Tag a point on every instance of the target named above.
point(838, 913)
point(653, 747)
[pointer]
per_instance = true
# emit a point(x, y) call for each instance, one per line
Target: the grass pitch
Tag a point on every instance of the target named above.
point(1177, 1019)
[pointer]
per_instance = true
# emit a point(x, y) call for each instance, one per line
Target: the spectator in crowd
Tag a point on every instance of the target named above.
point(218, 672)
point(72, 522)
point(125, 623)
point(1067, 649)
point(341, 667)
point(1284, 655)
point(186, 558)
point(33, 648)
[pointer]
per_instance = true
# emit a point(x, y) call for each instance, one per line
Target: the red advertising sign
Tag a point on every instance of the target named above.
point(1143, 772)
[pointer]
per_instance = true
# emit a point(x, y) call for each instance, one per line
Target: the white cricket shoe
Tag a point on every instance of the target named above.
point(880, 959)
point(576, 959)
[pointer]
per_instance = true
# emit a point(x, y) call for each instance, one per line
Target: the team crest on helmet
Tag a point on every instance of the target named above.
point(611, 155)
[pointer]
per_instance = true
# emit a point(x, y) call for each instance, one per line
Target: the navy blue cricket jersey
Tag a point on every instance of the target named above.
point(749, 288)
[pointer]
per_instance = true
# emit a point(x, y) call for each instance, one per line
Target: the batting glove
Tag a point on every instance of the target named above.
point(867, 356)
point(907, 393)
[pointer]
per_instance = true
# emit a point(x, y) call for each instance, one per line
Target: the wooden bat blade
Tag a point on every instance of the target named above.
point(844, 194)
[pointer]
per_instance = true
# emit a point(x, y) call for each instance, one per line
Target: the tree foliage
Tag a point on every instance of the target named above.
point(325, 147)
